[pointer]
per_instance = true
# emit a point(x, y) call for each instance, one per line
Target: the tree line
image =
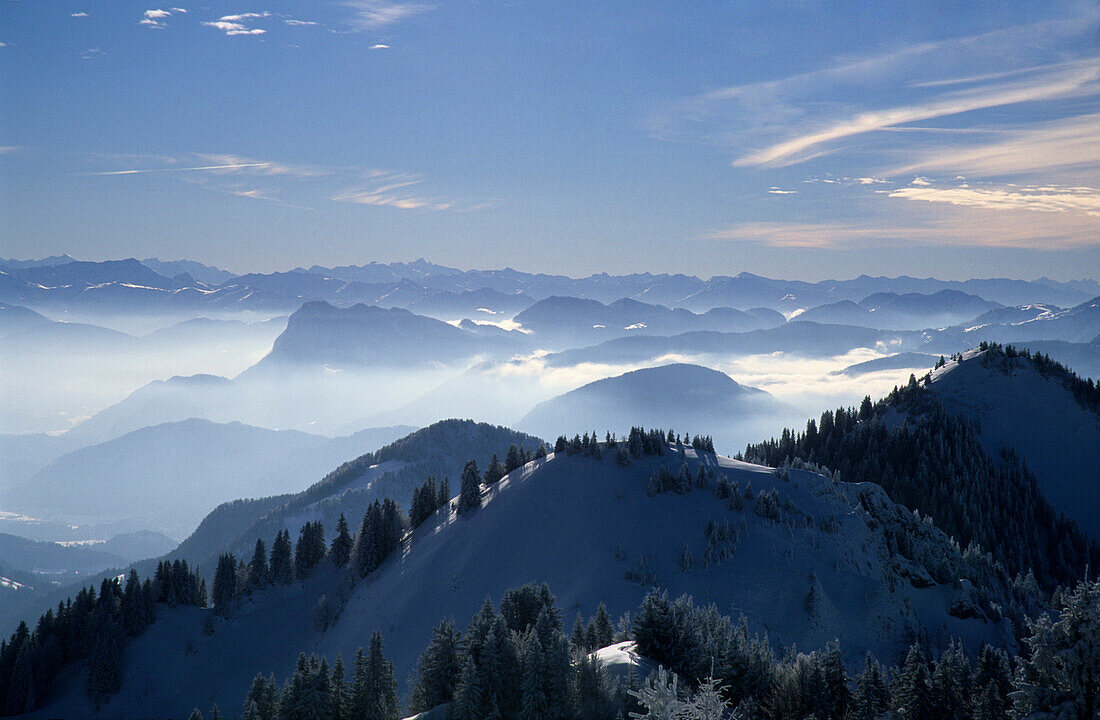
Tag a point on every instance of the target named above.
point(516, 662)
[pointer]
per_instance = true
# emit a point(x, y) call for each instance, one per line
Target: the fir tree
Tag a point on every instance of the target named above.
point(225, 584)
point(259, 574)
point(1061, 676)
point(374, 692)
point(512, 460)
point(282, 559)
point(912, 698)
point(601, 627)
point(340, 551)
point(469, 497)
point(437, 670)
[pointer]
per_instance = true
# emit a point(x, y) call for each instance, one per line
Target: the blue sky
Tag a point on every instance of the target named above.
point(800, 139)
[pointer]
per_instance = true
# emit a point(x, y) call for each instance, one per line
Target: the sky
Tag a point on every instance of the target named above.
point(798, 139)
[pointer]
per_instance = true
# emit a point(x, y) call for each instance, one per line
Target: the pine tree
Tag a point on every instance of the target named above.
point(340, 550)
point(837, 696)
point(868, 701)
point(310, 548)
point(1061, 676)
point(912, 699)
point(437, 670)
point(225, 584)
point(339, 691)
point(578, 637)
point(534, 704)
point(259, 574)
point(282, 559)
point(21, 688)
point(601, 627)
point(471, 697)
point(374, 690)
point(444, 493)
point(105, 662)
point(495, 471)
point(469, 497)
point(262, 699)
point(512, 460)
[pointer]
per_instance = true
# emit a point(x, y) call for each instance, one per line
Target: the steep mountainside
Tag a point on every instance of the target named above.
point(965, 445)
point(1025, 407)
point(805, 558)
point(392, 471)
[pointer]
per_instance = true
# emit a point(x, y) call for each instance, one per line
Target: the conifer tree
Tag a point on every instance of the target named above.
point(262, 699)
point(578, 637)
point(374, 693)
point(912, 698)
point(601, 627)
point(512, 460)
point(437, 670)
point(310, 549)
point(469, 497)
point(259, 574)
point(340, 551)
point(340, 691)
point(225, 584)
point(282, 559)
point(1061, 676)
point(105, 662)
point(444, 492)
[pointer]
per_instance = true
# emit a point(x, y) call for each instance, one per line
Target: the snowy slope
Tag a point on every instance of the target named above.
point(1019, 408)
point(581, 525)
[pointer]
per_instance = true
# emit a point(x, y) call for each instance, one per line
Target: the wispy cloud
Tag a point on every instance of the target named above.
point(304, 185)
point(376, 14)
point(391, 190)
point(79, 15)
point(796, 235)
point(1066, 145)
point(1038, 199)
point(294, 22)
point(92, 54)
point(202, 168)
point(379, 46)
point(950, 224)
point(266, 167)
point(780, 191)
point(889, 104)
point(1076, 79)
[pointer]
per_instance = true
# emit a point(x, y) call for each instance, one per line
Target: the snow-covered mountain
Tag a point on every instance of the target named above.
point(392, 471)
point(805, 559)
point(1022, 406)
point(680, 396)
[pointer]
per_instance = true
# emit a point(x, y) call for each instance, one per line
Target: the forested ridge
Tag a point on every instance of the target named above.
point(933, 463)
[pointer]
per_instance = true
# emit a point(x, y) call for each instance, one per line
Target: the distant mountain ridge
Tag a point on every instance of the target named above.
point(377, 283)
point(681, 396)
